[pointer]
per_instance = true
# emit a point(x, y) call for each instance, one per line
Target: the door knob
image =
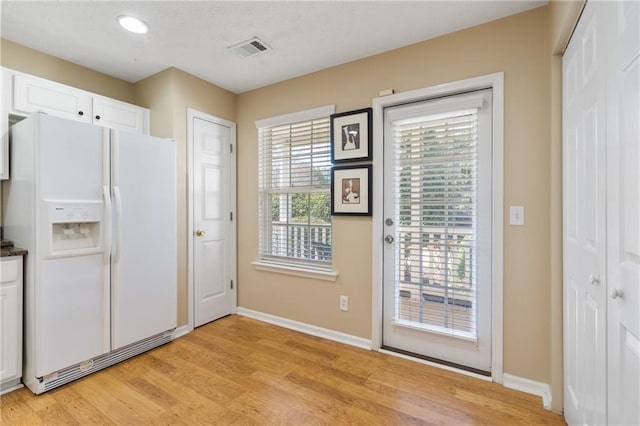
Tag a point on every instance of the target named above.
point(200, 233)
point(388, 239)
point(594, 279)
point(614, 293)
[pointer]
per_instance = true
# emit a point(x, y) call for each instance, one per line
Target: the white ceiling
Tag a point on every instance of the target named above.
point(305, 36)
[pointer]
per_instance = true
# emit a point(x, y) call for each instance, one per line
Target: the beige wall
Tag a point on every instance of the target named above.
point(169, 94)
point(518, 46)
point(21, 58)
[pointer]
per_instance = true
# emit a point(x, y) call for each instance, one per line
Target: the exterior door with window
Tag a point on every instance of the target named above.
point(437, 227)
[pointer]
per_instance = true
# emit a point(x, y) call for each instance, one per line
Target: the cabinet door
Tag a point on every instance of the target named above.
point(4, 124)
point(33, 94)
point(120, 115)
point(10, 320)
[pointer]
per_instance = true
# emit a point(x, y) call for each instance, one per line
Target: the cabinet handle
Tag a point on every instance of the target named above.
point(614, 293)
point(80, 113)
point(97, 117)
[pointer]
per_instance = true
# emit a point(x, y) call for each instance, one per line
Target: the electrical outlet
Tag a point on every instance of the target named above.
point(344, 303)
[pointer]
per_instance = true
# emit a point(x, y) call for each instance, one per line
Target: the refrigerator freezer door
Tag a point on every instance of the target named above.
point(70, 160)
point(69, 308)
point(144, 270)
point(69, 315)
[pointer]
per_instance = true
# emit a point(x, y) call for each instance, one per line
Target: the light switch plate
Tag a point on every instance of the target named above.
point(516, 215)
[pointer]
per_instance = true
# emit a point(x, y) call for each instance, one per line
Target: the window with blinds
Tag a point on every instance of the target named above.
point(294, 191)
point(436, 202)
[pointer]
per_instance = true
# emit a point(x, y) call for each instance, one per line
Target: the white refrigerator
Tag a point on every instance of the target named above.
point(96, 210)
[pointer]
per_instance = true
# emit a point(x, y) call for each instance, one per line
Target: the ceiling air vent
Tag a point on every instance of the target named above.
point(249, 47)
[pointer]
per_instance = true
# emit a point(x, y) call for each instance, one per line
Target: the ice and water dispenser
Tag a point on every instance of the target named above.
point(72, 228)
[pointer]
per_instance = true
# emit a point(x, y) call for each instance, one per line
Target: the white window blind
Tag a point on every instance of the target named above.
point(437, 194)
point(294, 190)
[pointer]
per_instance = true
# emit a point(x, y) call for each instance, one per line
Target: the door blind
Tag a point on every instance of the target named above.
point(435, 183)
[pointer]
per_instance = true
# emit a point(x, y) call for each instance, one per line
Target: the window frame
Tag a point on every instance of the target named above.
point(286, 264)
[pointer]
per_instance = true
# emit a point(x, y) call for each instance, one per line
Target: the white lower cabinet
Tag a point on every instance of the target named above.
point(10, 323)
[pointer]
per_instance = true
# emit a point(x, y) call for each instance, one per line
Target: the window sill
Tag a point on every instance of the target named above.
point(297, 271)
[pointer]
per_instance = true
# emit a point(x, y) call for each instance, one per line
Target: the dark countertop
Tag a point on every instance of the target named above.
point(8, 249)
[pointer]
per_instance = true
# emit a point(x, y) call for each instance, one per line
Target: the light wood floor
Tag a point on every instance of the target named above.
point(241, 371)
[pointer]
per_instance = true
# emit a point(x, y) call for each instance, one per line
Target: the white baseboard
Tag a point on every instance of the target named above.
point(542, 390)
point(10, 386)
point(181, 331)
point(325, 333)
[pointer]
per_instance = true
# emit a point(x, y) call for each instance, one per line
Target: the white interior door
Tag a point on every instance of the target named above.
point(584, 239)
point(623, 214)
point(438, 227)
point(144, 260)
point(213, 198)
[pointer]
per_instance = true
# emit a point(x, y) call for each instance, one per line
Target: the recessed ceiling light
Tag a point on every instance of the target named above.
point(132, 24)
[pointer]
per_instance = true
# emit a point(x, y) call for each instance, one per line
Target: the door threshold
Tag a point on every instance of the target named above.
point(451, 365)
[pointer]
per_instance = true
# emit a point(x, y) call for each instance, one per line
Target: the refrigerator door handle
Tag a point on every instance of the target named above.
point(107, 225)
point(118, 199)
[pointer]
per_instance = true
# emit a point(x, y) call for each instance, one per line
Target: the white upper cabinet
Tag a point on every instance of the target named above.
point(23, 94)
point(31, 94)
point(119, 115)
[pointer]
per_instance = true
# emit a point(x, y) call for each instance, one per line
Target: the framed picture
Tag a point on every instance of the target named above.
point(351, 136)
point(351, 190)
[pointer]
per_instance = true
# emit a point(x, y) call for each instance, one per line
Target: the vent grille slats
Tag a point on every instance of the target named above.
point(249, 47)
point(77, 371)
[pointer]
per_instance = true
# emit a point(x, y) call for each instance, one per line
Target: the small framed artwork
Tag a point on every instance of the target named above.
point(351, 136)
point(351, 190)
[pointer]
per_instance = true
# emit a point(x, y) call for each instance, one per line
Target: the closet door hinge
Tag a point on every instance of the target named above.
point(231, 148)
point(230, 215)
point(231, 284)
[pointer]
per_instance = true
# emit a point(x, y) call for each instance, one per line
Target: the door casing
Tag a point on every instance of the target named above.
point(191, 114)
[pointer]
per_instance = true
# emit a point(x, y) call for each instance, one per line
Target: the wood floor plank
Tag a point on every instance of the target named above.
point(57, 414)
point(322, 405)
point(116, 400)
point(79, 407)
point(239, 371)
